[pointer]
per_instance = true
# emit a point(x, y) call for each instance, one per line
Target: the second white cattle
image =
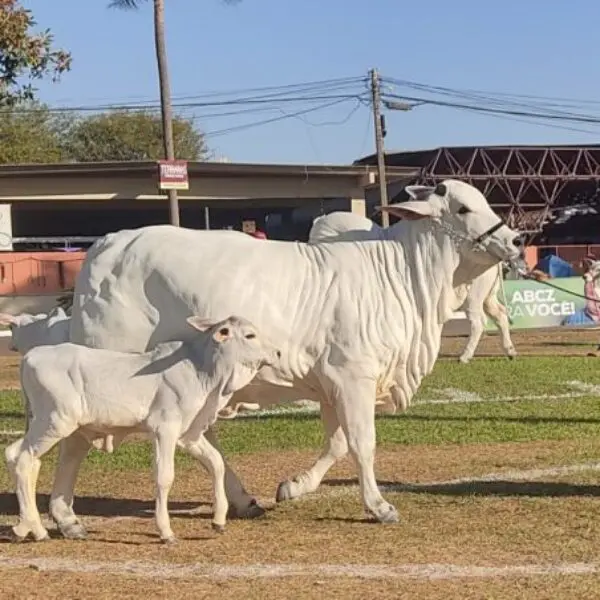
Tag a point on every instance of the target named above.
point(477, 299)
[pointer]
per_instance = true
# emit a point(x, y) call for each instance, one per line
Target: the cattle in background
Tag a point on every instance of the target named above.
point(480, 296)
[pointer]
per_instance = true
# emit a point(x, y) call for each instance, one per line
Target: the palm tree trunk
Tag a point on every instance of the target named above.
point(165, 99)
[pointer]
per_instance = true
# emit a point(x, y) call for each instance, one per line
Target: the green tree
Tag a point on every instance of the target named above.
point(31, 134)
point(165, 88)
point(25, 55)
point(124, 135)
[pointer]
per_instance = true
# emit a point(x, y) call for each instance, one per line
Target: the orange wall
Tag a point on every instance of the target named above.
point(38, 272)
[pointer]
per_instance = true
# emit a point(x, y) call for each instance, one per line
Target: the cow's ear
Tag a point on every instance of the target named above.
point(6, 319)
point(200, 323)
point(411, 210)
point(419, 192)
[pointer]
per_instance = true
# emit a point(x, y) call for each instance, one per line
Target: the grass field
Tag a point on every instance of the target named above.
point(494, 471)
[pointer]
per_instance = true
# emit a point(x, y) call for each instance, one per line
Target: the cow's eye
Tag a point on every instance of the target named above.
point(250, 336)
point(224, 332)
point(463, 210)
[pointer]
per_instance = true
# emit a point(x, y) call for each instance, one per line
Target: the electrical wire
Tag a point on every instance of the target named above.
point(243, 127)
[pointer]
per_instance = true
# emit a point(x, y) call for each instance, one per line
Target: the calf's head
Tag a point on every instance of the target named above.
point(465, 214)
point(236, 348)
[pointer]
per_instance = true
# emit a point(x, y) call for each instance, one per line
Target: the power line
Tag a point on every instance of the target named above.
point(501, 111)
point(227, 130)
point(325, 84)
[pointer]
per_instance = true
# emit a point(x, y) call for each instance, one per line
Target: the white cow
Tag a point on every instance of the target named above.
point(173, 392)
point(481, 295)
point(353, 319)
point(28, 330)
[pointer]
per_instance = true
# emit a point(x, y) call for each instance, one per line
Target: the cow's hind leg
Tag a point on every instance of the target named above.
point(72, 451)
point(335, 448)
point(477, 325)
point(356, 413)
point(241, 504)
point(497, 312)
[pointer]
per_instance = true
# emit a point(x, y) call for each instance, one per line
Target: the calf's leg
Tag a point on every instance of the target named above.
point(241, 504)
point(165, 442)
point(335, 448)
point(23, 460)
point(214, 463)
point(72, 451)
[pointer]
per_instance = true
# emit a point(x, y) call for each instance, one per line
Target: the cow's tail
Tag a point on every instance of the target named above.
point(504, 299)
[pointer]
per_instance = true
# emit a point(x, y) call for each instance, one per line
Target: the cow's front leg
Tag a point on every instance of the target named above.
point(335, 448)
point(241, 504)
point(357, 418)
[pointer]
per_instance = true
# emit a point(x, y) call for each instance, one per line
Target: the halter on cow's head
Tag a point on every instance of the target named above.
point(464, 213)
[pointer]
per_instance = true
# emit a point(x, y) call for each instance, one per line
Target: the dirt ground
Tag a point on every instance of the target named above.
point(550, 519)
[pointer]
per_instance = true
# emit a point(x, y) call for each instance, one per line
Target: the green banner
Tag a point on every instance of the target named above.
point(533, 304)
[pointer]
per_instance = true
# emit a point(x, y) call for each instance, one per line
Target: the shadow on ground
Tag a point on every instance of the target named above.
point(95, 506)
point(535, 489)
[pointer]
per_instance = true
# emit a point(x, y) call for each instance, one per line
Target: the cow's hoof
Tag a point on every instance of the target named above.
point(284, 492)
point(43, 536)
point(15, 538)
point(73, 531)
point(218, 528)
point(169, 541)
point(386, 514)
point(465, 360)
point(252, 510)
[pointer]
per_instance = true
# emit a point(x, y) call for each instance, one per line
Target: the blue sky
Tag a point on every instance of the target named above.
point(534, 47)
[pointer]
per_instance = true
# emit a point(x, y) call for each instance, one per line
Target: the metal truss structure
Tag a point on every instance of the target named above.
point(525, 184)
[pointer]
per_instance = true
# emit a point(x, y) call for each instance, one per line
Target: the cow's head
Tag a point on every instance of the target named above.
point(236, 349)
point(23, 329)
point(464, 213)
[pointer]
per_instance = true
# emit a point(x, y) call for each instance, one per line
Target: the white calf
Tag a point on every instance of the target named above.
point(173, 392)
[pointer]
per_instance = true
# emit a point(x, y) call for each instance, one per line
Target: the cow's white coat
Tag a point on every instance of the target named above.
point(353, 319)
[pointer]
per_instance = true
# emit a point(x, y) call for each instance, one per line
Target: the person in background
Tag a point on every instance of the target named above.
point(261, 235)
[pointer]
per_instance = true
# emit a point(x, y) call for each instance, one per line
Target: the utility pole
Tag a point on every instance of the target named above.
point(379, 135)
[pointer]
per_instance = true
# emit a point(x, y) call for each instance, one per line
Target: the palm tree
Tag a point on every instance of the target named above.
point(165, 87)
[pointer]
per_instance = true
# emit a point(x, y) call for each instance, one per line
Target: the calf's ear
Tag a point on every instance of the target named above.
point(200, 323)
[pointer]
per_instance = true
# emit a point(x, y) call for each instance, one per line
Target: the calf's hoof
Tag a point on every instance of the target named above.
point(465, 360)
point(284, 491)
point(218, 528)
point(169, 541)
point(252, 510)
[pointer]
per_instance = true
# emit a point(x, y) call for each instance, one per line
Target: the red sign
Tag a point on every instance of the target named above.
point(173, 175)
